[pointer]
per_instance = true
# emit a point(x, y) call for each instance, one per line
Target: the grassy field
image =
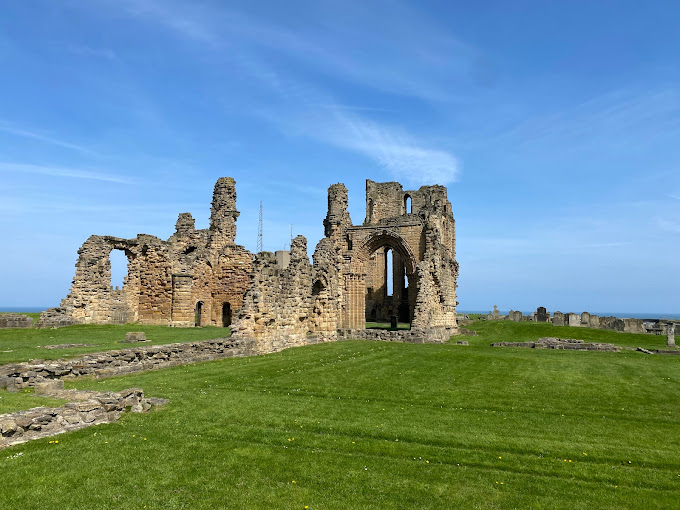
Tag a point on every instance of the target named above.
point(507, 331)
point(386, 325)
point(25, 399)
point(25, 344)
point(378, 425)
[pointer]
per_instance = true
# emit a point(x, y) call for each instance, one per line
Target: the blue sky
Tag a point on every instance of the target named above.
point(554, 125)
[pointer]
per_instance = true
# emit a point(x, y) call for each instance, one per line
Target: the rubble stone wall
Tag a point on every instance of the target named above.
point(15, 320)
point(91, 408)
point(347, 281)
point(23, 375)
point(167, 282)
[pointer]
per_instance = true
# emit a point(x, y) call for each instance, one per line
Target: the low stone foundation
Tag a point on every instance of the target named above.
point(414, 336)
point(15, 320)
point(86, 408)
point(561, 343)
point(22, 375)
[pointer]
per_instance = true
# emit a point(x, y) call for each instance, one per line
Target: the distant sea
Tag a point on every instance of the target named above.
point(31, 309)
point(621, 315)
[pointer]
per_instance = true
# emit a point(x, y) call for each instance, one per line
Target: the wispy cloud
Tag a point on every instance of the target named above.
point(401, 51)
point(354, 108)
point(668, 225)
point(190, 20)
point(618, 119)
point(404, 156)
point(55, 171)
point(88, 51)
point(45, 138)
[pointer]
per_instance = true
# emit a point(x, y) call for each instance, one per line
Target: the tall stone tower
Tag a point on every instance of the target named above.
point(223, 214)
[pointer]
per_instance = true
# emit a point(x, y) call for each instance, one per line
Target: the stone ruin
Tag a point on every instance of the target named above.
point(408, 238)
point(399, 264)
point(196, 277)
point(15, 320)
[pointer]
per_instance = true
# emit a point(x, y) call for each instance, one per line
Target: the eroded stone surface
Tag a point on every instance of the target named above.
point(346, 284)
point(86, 408)
point(15, 320)
point(196, 277)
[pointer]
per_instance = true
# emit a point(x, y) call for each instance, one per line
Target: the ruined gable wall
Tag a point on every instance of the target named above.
point(165, 279)
point(277, 304)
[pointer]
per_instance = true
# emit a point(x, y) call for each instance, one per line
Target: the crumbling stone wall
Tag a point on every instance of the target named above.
point(15, 320)
point(276, 307)
point(347, 280)
point(17, 376)
point(168, 282)
point(86, 408)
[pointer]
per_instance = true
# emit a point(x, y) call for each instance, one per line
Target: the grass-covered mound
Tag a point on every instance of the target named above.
point(375, 425)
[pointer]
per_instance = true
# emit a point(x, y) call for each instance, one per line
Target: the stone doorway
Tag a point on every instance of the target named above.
point(226, 315)
point(198, 313)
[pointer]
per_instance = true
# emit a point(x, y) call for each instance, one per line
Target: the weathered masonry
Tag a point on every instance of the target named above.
point(196, 277)
point(399, 264)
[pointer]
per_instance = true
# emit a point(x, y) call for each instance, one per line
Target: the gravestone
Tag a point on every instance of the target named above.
point(495, 313)
point(572, 319)
point(515, 316)
point(594, 321)
point(585, 319)
point(670, 334)
point(541, 314)
point(558, 319)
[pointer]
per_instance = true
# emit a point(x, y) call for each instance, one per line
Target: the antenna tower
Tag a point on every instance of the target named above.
point(259, 231)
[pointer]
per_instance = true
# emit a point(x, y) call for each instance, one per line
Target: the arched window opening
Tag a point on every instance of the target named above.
point(119, 269)
point(407, 204)
point(389, 272)
point(226, 315)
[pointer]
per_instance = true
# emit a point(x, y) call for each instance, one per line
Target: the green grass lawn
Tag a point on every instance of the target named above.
point(25, 399)
point(377, 425)
point(25, 344)
point(386, 325)
point(508, 331)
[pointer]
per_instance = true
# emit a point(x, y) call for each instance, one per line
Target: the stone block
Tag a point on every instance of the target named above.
point(48, 386)
point(135, 336)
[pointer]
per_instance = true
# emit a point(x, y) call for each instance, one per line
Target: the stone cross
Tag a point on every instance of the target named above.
point(495, 312)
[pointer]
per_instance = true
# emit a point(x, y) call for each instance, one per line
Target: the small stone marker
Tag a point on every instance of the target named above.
point(541, 314)
point(393, 321)
point(135, 336)
point(558, 319)
point(670, 334)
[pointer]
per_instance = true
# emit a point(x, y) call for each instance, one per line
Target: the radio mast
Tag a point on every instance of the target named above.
point(259, 231)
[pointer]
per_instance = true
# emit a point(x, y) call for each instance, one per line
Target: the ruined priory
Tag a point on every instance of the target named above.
point(201, 277)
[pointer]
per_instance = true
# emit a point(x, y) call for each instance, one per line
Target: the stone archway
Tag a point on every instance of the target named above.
point(367, 295)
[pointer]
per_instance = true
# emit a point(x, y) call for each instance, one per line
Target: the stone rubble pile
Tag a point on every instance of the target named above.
point(561, 343)
point(85, 408)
